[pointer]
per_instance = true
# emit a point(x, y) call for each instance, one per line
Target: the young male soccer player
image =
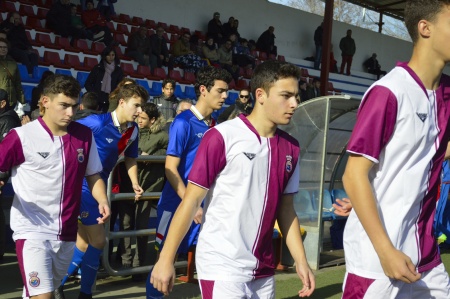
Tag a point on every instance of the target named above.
point(116, 134)
point(185, 135)
point(247, 171)
point(392, 175)
point(49, 158)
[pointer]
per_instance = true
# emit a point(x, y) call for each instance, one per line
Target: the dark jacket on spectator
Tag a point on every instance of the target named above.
point(167, 106)
point(245, 108)
point(10, 80)
point(17, 36)
point(84, 113)
point(8, 120)
point(59, 18)
point(347, 46)
point(95, 78)
point(265, 41)
point(214, 29)
point(318, 36)
point(138, 43)
point(158, 46)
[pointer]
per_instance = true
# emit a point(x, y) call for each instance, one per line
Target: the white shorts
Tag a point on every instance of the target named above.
point(433, 284)
point(262, 288)
point(43, 264)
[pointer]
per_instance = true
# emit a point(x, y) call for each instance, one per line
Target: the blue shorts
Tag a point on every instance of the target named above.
point(89, 207)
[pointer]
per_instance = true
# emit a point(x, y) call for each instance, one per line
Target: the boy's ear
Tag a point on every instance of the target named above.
point(260, 95)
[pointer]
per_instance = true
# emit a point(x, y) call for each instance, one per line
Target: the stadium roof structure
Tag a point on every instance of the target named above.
point(392, 8)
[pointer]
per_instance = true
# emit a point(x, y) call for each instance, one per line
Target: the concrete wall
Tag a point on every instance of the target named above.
point(294, 29)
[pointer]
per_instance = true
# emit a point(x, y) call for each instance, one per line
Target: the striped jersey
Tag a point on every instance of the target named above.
point(403, 128)
point(47, 173)
point(246, 176)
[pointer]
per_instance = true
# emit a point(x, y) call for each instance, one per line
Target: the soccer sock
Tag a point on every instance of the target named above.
point(89, 268)
point(151, 292)
point(74, 265)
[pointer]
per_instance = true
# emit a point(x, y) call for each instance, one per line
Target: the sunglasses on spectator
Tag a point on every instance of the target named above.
point(244, 97)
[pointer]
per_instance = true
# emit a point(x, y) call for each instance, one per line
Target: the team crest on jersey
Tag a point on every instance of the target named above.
point(422, 116)
point(84, 214)
point(288, 163)
point(44, 154)
point(34, 280)
point(109, 140)
point(80, 156)
point(250, 156)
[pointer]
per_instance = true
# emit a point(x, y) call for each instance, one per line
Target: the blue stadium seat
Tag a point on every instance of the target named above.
point(189, 92)
point(216, 113)
point(178, 92)
point(327, 208)
point(27, 91)
point(144, 83)
point(304, 207)
point(24, 75)
point(156, 89)
point(63, 72)
point(232, 96)
point(82, 77)
point(38, 71)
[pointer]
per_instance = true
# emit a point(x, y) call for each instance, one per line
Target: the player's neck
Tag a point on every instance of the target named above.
point(54, 128)
point(431, 74)
point(204, 109)
point(121, 119)
point(262, 125)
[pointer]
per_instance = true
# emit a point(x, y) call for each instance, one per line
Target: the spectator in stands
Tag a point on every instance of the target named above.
point(3, 34)
point(59, 20)
point(314, 89)
point(235, 28)
point(303, 91)
point(373, 66)
point(209, 50)
point(106, 8)
point(242, 103)
point(318, 38)
point(20, 47)
point(75, 21)
point(215, 28)
point(242, 56)
point(153, 140)
point(184, 56)
point(266, 42)
point(196, 45)
point(159, 53)
point(167, 102)
point(8, 120)
point(348, 48)
point(36, 94)
point(227, 28)
point(226, 60)
point(183, 105)
point(105, 77)
point(333, 61)
point(95, 22)
point(89, 105)
point(139, 46)
point(9, 76)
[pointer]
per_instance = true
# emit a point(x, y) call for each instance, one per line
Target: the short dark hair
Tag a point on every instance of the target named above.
point(270, 71)
point(113, 96)
point(56, 84)
point(207, 76)
point(128, 91)
point(165, 81)
point(108, 50)
point(90, 100)
point(416, 10)
point(151, 110)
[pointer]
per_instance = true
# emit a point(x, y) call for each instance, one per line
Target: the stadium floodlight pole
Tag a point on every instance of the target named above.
point(326, 42)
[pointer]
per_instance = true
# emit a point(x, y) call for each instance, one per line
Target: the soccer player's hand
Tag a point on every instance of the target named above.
point(138, 191)
point(163, 276)
point(1, 185)
point(342, 207)
point(397, 265)
point(307, 277)
point(105, 211)
point(198, 216)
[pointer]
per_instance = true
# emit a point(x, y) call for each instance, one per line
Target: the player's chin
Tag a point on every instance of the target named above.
point(219, 105)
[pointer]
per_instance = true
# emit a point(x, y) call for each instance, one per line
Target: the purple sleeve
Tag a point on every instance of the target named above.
point(209, 160)
point(375, 123)
point(11, 151)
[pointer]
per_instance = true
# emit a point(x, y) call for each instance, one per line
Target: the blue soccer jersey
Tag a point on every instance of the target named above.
point(186, 132)
point(111, 144)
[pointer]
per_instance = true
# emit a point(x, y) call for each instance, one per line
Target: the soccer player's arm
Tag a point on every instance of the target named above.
point(447, 152)
point(290, 229)
point(11, 154)
point(178, 138)
point(131, 153)
point(373, 129)
point(209, 161)
point(96, 184)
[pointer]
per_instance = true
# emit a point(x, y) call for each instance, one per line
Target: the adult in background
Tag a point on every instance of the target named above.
point(105, 77)
point(226, 59)
point(209, 50)
point(184, 56)
point(183, 105)
point(138, 46)
point(20, 47)
point(243, 103)
point(95, 22)
point(89, 105)
point(167, 102)
point(318, 38)
point(348, 49)
point(9, 76)
point(215, 28)
point(106, 8)
point(314, 89)
point(373, 66)
point(266, 42)
point(303, 91)
point(159, 53)
point(227, 28)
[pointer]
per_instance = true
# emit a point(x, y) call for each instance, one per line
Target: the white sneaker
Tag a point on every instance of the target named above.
point(98, 36)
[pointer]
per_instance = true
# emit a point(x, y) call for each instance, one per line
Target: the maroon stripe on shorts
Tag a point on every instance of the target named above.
point(356, 286)
point(19, 252)
point(207, 287)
